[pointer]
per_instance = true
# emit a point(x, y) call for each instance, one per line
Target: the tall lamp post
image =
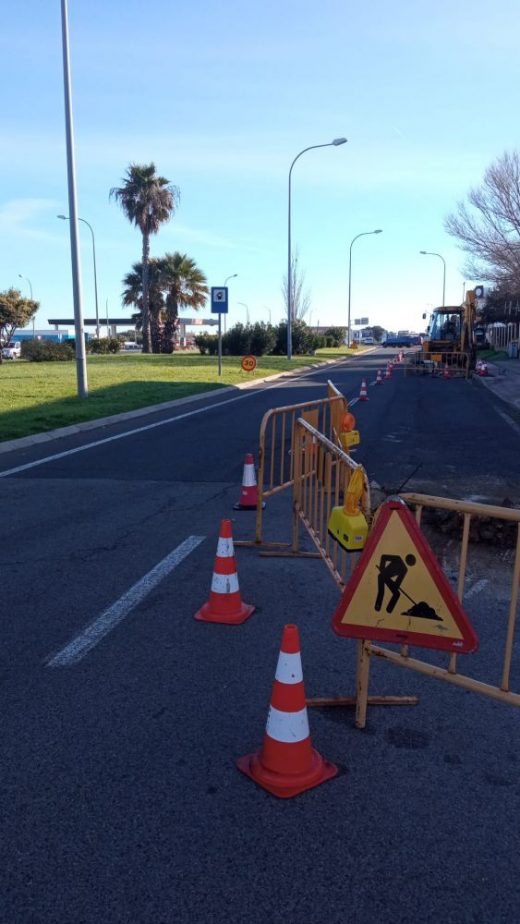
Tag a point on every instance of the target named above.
point(31, 291)
point(247, 310)
point(335, 143)
point(226, 280)
point(85, 222)
point(81, 353)
point(363, 234)
point(431, 253)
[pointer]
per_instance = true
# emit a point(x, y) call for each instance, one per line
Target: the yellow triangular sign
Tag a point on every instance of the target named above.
point(398, 592)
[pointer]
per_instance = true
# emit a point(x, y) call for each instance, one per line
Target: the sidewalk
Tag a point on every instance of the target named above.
point(504, 381)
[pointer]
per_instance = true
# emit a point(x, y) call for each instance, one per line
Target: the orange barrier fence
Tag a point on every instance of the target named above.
point(275, 453)
point(434, 363)
point(498, 688)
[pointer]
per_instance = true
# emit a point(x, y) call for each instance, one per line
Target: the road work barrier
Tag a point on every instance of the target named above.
point(331, 495)
point(433, 363)
point(275, 453)
point(498, 637)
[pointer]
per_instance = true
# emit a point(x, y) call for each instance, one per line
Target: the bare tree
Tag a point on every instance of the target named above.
point(301, 299)
point(487, 225)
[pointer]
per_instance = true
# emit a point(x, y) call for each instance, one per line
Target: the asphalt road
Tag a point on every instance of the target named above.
point(120, 800)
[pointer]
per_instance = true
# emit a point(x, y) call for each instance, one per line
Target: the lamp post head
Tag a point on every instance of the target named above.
point(62, 216)
point(338, 141)
point(378, 231)
point(423, 251)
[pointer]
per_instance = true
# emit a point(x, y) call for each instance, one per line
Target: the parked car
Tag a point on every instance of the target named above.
point(13, 350)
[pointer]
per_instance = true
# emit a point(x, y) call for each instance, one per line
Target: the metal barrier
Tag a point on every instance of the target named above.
point(275, 453)
point(500, 691)
point(435, 362)
point(322, 472)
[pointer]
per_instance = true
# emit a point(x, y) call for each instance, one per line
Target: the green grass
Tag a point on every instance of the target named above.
point(492, 355)
point(36, 397)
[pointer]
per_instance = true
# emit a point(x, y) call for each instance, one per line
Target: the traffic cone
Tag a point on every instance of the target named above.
point(388, 373)
point(379, 378)
point(287, 764)
point(446, 373)
point(225, 603)
point(483, 369)
point(363, 396)
point(249, 490)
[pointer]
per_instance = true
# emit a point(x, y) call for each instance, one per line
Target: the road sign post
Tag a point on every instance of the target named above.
point(219, 305)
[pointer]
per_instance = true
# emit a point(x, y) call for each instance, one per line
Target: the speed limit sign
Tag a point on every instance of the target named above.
point(248, 363)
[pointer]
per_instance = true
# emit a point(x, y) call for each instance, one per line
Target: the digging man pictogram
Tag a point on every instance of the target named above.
point(392, 572)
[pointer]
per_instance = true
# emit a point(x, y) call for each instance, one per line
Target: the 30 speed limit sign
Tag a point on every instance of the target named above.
point(248, 363)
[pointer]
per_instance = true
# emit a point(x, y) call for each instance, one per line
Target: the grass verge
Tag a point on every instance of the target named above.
point(36, 397)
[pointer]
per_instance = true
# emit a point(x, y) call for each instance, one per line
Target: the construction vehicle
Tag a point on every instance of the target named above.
point(450, 337)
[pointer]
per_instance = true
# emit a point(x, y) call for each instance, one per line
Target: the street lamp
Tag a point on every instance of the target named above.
point(431, 253)
point(266, 308)
point(81, 353)
point(335, 143)
point(363, 234)
point(247, 311)
point(66, 218)
point(226, 280)
point(31, 291)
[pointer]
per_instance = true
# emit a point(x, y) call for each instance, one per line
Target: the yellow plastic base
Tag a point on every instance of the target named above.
point(349, 530)
point(349, 439)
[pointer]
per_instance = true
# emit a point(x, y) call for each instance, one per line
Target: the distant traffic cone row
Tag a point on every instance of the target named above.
point(363, 396)
point(249, 490)
point(287, 764)
point(225, 604)
point(379, 377)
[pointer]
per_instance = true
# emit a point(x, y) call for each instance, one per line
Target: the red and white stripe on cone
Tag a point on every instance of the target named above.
point(379, 377)
point(363, 394)
point(225, 604)
point(287, 764)
point(249, 490)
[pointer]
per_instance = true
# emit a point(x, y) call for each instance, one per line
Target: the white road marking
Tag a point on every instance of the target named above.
point(152, 426)
point(476, 588)
point(122, 436)
point(103, 624)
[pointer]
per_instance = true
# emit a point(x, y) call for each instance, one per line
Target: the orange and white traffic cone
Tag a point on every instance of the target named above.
point(225, 603)
point(483, 369)
point(388, 373)
point(249, 490)
point(446, 373)
point(287, 764)
point(379, 377)
point(363, 396)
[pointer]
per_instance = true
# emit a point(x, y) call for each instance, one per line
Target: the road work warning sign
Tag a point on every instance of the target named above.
point(398, 592)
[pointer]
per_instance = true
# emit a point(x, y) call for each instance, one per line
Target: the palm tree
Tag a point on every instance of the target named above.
point(185, 286)
point(133, 295)
point(148, 201)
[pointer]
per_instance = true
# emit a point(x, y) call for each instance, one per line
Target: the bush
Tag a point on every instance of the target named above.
point(207, 344)
point(303, 340)
point(104, 345)
point(237, 341)
point(43, 351)
point(335, 336)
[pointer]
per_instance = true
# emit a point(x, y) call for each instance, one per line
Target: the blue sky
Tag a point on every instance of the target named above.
point(222, 96)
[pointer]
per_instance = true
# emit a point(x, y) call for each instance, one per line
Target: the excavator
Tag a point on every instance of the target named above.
point(450, 338)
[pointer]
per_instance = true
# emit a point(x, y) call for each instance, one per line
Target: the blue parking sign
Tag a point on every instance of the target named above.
point(219, 300)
